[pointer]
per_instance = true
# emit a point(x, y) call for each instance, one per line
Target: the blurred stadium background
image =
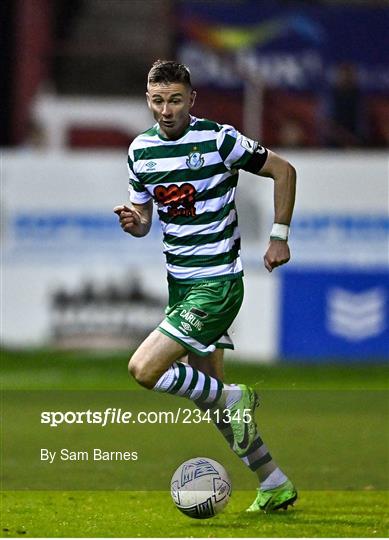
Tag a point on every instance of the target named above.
point(308, 79)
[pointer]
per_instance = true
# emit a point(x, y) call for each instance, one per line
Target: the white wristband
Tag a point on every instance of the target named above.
point(279, 231)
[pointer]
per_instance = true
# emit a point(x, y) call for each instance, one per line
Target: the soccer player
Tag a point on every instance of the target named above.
point(188, 167)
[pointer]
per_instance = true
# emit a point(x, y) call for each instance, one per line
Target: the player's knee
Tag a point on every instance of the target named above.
point(138, 369)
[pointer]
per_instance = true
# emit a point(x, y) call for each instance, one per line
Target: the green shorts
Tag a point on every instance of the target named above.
point(199, 315)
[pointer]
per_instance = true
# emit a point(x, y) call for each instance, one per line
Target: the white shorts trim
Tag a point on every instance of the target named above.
point(186, 340)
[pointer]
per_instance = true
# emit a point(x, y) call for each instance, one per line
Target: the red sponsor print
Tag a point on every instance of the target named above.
point(179, 199)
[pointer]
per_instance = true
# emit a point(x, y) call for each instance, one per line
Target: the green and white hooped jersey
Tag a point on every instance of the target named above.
point(193, 182)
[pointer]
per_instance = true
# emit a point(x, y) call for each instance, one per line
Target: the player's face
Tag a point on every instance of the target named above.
point(170, 105)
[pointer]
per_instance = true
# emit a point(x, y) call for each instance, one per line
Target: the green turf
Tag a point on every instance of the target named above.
point(103, 370)
point(341, 433)
point(324, 424)
point(132, 514)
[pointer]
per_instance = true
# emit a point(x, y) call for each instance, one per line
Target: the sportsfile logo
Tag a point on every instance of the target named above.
point(113, 415)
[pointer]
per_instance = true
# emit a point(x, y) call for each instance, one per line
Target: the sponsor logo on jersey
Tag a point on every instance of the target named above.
point(180, 200)
point(195, 160)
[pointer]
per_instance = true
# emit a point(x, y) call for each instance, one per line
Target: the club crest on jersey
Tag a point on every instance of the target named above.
point(195, 160)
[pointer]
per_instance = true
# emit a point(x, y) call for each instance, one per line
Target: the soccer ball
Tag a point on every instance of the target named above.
point(200, 487)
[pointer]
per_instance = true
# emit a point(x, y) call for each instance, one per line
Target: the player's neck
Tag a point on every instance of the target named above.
point(174, 136)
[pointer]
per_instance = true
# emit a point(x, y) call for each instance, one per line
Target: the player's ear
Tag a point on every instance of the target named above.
point(193, 95)
point(148, 100)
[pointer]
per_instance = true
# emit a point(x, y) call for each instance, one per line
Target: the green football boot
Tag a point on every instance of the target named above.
point(242, 420)
point(274, 499)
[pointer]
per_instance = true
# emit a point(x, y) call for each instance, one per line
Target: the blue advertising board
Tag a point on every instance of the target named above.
point(329, 314)
point(56, 236)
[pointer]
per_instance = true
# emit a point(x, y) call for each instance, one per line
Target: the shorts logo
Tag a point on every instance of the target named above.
point(191, 319)
point(195, 160)
point(185, 327)
point(179, 199)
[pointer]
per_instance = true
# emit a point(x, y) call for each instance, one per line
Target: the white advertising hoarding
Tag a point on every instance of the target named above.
point(71, 277)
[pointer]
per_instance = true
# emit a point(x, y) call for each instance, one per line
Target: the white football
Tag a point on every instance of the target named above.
point(200, 487)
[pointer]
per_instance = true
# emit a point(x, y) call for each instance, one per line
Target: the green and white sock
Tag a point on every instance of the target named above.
point(275, 479)
point(259, 460)
point(184, 380)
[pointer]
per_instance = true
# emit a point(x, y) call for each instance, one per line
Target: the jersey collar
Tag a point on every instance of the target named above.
point(192, 121)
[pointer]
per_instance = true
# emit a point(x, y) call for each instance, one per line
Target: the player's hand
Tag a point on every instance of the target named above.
point(129, 218)
point(277, 254)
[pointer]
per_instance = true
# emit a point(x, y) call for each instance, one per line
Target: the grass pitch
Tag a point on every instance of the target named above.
point(141, 514)
point(325, 425)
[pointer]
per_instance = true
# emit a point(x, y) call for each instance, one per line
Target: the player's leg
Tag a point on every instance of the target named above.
point(275, 491)
point(197, 319)
point(212, 365)
point(242, 417)
point(153, 357)
point(155, 365)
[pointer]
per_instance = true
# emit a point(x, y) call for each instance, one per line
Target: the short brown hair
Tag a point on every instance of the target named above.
point(168, 71)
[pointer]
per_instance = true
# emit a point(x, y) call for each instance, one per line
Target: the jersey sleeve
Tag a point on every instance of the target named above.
point(137, 192)
point(237, 150)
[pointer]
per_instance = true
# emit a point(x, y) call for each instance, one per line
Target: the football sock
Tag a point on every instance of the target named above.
point(275, 479)
point(259, 460)
point(232, 394)
point(184, 380)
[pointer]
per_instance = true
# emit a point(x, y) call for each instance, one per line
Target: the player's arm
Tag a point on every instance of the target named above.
point(135, 219)
point(284, 176)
